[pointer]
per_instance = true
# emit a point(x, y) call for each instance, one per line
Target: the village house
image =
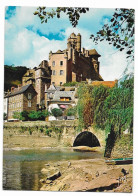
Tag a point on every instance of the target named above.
point(21, 99)
point(60, 97)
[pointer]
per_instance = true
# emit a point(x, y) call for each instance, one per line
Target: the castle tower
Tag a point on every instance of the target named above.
point(79, 42)
point(41, 79)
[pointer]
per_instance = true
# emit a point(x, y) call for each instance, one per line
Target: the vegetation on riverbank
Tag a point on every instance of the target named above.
point(110, 109)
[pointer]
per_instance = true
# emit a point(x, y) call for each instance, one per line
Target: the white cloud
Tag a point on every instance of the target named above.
point(27, 48)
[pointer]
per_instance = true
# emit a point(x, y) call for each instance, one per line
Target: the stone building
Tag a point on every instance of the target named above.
point(40, 78)
point(21, 99)
point(74, 63)
point(61, 97)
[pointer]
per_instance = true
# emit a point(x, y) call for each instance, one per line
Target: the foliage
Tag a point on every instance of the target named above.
point(30, 131)
point(13, 76)
point(56, 112)
point(32, 115)
point(16, 115)
point(38, 115)
point(70, 84)
point(107, 108)
point(119, 32)
point(73, 13)
point(56, 130)
point(83, 106)
point(4, 116)
point(24, 115)
point(71, 111)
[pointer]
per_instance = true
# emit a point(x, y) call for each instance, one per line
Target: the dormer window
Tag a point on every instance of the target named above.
point(29, 96)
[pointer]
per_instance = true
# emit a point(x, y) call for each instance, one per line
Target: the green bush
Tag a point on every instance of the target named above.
point(72, 111)
point(71, 84)
point(56, 112)
point(24, 116)
point(37, 115)
point(4, 116)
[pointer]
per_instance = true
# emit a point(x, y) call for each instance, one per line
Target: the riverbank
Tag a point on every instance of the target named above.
point(86, 175)
point(79, 175)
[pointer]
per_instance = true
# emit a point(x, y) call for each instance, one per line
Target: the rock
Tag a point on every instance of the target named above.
point(54, 176)
point(97, 174)
point(44, 170)
point(48, 181)
point(43, 181)
point(47, 165)
point(69, 164)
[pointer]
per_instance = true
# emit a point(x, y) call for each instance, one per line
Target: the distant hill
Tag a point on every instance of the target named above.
point(13, 76)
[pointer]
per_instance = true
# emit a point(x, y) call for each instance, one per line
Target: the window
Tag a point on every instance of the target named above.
point(53, 63)
point(61, 63)
point(61, 72)
point(53, 72)
point(29, 96)
point(29, 104)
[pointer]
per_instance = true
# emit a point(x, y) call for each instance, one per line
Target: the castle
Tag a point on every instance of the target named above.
point(74, 64)
point(70, 65)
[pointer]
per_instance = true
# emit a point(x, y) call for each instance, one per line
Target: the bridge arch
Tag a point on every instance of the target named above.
point(86, 138)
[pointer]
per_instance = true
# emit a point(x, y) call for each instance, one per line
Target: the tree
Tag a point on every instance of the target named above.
point(56, 112)
point(73, 13)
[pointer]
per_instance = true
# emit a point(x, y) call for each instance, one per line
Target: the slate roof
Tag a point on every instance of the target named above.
point(94, 52)
point(20, 91)
point(59, 94)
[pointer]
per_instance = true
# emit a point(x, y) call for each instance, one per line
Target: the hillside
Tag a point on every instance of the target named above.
point(13, 76)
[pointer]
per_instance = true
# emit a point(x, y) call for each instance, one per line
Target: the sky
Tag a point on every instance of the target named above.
point(28, 42)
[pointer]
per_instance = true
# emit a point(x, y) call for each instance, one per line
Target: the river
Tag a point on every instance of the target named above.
point(22, 168)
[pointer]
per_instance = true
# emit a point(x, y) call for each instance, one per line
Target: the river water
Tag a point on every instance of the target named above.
point(22, 168)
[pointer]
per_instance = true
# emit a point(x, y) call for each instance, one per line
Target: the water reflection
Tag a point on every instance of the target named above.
point(22, 169)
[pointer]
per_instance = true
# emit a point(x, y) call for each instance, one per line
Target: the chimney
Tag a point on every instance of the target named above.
point(12, 88)
point(19, 86)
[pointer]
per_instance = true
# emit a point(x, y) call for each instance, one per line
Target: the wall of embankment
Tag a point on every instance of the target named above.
point(44, 134)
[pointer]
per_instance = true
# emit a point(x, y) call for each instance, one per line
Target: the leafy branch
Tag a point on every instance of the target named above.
point(119, 32)
point(73, 13)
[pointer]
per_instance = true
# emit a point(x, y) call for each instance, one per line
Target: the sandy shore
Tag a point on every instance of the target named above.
point(87, 175)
